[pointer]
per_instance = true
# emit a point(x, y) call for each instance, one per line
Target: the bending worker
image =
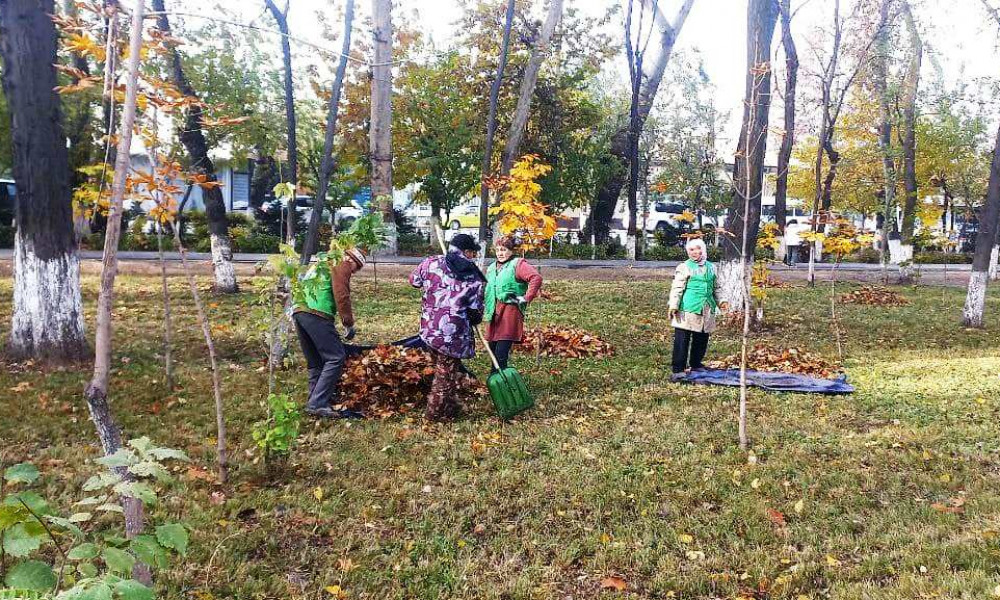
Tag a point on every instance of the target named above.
point(452, 307)
point(327, 292)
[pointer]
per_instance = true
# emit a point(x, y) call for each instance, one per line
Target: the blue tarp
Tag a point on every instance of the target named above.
point(772, 382)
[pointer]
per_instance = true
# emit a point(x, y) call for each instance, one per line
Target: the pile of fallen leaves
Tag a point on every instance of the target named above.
point(873, 295)
point(780, 360)
point(777, 284)
point(388, 380)
point(565, 342)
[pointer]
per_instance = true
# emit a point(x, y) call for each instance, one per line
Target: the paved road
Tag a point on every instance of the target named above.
point(545, 262)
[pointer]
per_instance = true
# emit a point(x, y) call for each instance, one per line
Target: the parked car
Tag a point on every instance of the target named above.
point(343, 217)
point(662, 215)
point(464, 217)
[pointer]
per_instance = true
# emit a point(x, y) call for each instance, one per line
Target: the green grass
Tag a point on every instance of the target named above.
point(606, 477)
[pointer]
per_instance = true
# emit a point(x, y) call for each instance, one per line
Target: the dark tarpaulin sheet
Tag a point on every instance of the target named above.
point(772, 382)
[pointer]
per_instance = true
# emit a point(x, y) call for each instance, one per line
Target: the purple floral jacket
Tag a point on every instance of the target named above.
point(449, 303)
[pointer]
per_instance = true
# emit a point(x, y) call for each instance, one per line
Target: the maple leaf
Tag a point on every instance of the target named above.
point(201, 180)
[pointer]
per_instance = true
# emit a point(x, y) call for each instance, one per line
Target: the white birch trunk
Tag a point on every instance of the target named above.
point(222, 261)
point(975, 299)
point(47, 322)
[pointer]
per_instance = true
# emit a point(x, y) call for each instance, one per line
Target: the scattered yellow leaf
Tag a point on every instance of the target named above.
point(945, 478)
point(685, 538)
point(318, 494)
point(831, 561)
point(336, 591)
point(799, 506)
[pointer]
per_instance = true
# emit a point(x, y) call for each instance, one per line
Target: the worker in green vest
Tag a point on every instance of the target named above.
point(511, 284)
point(326, 290)
point(693, 304)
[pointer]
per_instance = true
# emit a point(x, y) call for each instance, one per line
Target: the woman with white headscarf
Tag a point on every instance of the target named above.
point(693, 303)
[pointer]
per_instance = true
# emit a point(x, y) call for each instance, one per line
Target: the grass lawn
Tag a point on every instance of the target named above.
point(889, 493)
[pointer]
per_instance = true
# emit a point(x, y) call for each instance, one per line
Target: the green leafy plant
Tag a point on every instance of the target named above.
point(93, 560)
point(276, 435)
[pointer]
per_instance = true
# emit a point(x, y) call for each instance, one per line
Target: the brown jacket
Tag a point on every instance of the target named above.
point(340, 281)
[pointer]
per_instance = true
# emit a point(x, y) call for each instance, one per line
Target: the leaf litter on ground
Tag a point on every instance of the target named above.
point(565, 342)
point(763, 357)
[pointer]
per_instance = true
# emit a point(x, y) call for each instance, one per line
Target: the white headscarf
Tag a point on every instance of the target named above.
point(698, 243)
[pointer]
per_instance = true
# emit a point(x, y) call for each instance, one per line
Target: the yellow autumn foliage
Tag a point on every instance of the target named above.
point(521, 213)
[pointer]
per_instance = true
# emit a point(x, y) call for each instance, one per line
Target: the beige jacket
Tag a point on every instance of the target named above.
point(703, 322)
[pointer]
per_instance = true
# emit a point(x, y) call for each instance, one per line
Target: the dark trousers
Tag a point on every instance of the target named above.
point(501, 349)
point(687, 342)
point(325, 357)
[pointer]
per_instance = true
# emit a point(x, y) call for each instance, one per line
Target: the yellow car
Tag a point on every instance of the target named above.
point(464, 217)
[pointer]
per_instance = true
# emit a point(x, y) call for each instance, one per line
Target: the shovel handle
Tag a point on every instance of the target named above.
point(486, 345)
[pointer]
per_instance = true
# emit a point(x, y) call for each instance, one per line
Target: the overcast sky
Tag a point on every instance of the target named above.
point(957, 34)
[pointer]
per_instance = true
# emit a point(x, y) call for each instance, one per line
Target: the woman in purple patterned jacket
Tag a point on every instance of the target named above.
point(452, 306)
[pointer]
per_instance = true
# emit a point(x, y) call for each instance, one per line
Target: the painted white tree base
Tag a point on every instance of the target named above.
point(47, 322)
point(975, 299)
point(733, 277)
point(222, 262)
point(632, 247)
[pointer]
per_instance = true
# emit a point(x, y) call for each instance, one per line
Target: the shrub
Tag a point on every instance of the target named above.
point(942, 258)
point(276, 435)
point(865, 255)
point(6, 236)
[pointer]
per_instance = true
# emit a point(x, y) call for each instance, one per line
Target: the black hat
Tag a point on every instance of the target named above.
point(465, 243)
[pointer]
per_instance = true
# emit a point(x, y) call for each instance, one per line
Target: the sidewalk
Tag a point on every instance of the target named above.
point(545, 262)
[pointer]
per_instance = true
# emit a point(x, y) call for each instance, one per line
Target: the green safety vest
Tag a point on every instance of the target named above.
point(316, 288)
point(501, 282)
point(700, 288)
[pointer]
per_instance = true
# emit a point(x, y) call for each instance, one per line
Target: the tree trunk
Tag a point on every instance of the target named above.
point(607, 196)
point(193, 139)
point(881, 70)
point(910, 86)
point(281, 18)
point(326, 162)
point(520, 120)
point(206, 331)
point(788, 139)
point(989, 223)
point(491, 129)
point(743, 221)
point(47, 320)
point(97, 391)
point(380, 132)
point(634, 56)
